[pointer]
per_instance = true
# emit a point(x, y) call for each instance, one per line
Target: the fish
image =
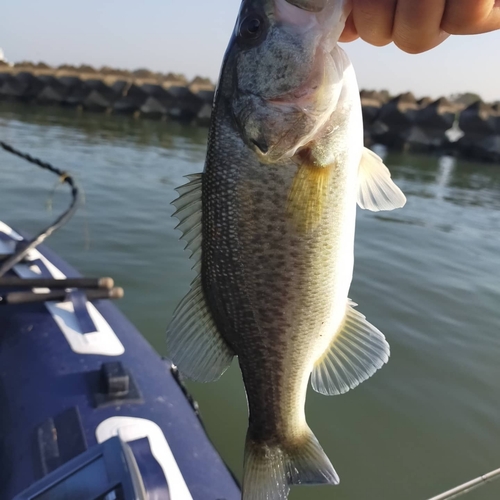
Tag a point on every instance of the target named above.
point(270, 225)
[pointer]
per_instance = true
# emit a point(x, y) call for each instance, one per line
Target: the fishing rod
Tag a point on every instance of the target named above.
point(13, 298)
point(467, 487)
point(23, 250)
point(52, 283)
point(94, 288)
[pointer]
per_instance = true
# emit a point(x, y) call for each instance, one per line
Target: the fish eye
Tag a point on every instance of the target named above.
point(252, 28)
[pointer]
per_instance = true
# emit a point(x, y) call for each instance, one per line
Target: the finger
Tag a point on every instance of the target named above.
point(469, 17)
point(374, 19)
point(349, 34)
point(417, 25)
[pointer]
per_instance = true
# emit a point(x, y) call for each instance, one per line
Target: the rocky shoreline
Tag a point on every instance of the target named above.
point(402, 123)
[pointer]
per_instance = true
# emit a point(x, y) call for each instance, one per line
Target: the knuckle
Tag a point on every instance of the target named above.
point(374, 36)
point(378, 38)
point(365, 8)
point(374, 20)
point(456, 25)
point(413, 46)
point(378, 11)
point(462, 20)
point(379, 41)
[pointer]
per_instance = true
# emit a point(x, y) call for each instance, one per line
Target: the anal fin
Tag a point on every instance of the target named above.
point(355, 353)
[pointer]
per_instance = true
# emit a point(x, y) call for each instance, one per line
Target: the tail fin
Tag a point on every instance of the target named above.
point(270, 469)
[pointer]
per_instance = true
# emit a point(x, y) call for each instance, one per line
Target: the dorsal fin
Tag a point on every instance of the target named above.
point(188, 211)
point(193, 341)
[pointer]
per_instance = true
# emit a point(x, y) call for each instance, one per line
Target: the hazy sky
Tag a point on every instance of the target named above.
point(189, 36)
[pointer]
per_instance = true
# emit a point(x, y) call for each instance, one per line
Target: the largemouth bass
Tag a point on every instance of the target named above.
point(270, 224)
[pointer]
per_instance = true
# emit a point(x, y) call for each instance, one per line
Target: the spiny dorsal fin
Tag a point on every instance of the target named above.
point(376, 189)
point(194, 344)
point(188, 211)
point(356, 352)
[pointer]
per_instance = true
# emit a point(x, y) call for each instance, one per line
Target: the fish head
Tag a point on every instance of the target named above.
point(286, 79)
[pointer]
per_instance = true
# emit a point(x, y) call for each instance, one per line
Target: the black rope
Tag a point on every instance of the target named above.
point(64, 177)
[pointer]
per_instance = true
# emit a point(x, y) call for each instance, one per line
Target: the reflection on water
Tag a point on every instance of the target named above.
point(97, 127)
point(446, 166)
point(480, 182)
point(427, 275)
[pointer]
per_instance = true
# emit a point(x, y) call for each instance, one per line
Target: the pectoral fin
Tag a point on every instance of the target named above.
point(376, 189)
point(193, 341)
point(308, 195)
point(356, 352)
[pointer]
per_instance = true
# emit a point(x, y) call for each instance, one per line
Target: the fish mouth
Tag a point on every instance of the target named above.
point(309, 5)
point(306, 94)
point(311, 91)
point(307, 109)
point(311, 104)
point(277, 125)
point(325, 16)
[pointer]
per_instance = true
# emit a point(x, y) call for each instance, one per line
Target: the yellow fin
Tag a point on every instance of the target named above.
point(307, 196)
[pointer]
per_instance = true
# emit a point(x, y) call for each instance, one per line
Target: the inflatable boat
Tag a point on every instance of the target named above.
point(88, 410)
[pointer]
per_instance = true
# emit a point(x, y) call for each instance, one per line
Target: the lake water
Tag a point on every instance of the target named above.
point(428, 276)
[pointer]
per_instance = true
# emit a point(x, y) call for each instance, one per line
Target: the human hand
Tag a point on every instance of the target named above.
point(419, 25)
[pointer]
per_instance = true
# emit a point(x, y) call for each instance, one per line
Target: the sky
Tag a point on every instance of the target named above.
point(190, 36)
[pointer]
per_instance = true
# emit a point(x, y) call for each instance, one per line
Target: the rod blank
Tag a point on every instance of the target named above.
point(13, 282)
point(469, 486)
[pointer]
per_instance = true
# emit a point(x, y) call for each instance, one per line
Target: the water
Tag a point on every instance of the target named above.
point(428, 276)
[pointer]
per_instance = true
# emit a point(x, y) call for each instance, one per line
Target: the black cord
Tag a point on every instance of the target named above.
point(21, 253)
